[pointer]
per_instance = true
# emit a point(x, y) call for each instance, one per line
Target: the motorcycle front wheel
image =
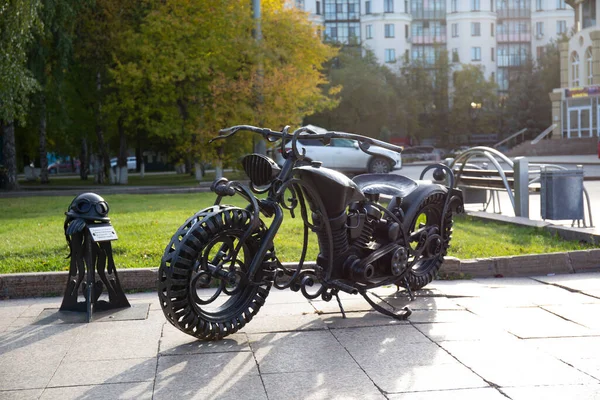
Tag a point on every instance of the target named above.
point(429, 217)
point(203, 285)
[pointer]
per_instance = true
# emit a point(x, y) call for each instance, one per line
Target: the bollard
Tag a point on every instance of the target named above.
point(89, 233)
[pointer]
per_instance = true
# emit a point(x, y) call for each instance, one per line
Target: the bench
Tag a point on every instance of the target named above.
point(516, 177)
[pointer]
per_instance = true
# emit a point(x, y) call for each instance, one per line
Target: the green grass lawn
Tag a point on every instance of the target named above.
point(158, 179)
point(32, 236)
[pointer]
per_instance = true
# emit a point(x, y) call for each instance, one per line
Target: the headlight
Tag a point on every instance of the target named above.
point(260, 169)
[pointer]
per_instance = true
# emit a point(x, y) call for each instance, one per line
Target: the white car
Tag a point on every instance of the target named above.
point(344, 155)
point(131, 163)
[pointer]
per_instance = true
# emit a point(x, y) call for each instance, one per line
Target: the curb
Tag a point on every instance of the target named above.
point(44, 284)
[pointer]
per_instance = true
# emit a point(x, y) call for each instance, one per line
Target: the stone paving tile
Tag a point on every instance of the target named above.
point(174, 341)
point(27, 370)
point(508, 282)
point(579, 392)
point(285, 323)
point(569, 349)
point(357, 304)
point(425, 378)
point(442, 316)
point(215, 375)
point(463, 331)
point(526, 297)
point(30, 355)
point(298, 352)
point(104, 371)
point(462, 394)
point(27, 394)
point(531, 322)
point(589, 366)
point(423, 303)
point(580, 282)
point(460, 288)
point(514, 364)
point(285, 296)
point(583, 314)
point(121, 391)
point(117, 340)
point(359, 319)
point(393, 347)
point(335, 382)
point(269, 310)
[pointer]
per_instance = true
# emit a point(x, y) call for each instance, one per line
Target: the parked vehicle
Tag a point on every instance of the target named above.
point(218, 268)
point(344, 155)
point(131, 163)
point(420, 153)
point(63, 167)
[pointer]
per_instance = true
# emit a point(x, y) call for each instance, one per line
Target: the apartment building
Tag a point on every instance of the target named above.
point(576, 104)
point(499, 35)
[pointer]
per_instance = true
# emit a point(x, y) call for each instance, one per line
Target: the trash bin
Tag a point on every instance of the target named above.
point(561, 193)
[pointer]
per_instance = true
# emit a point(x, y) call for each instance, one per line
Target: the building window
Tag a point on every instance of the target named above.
point(455, 55)
point(453, 7)
point(390, 55)
point(493, 54)
point(475, 53)
point(475, 6)
point(388, 6)
point(492, 30)
point(538, 5)
point(339, 8)
point(367, 7)
point(475, 29)
point(588, 63)
point(318, 8)
point(560, 4)
point(389, 30)
point(454, 30)
point(561, 27)
point(369, 31)
point(492, 5)
point(539, 52)
point(405, 31)
point(574, 69)
point(493, 76)
point(539, 29)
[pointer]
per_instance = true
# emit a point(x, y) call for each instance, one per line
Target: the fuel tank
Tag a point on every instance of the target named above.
point(336, 189)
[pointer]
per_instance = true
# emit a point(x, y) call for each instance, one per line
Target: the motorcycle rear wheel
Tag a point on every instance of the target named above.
point(194, 298)
point(429, 214)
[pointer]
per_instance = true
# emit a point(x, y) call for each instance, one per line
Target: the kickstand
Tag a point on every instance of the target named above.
point(402, 315)
point(337, 296)
point(410, 293)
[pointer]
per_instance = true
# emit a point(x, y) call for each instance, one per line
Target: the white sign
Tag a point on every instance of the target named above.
point(103, 233)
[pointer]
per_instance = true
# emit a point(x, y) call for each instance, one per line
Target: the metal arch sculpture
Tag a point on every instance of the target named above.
point(88, 232)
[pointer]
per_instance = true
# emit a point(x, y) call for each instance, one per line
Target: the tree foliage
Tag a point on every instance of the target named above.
point(474, 102)
point(18, 19)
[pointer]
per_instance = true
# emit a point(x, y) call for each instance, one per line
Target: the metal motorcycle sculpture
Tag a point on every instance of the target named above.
point(373, 230)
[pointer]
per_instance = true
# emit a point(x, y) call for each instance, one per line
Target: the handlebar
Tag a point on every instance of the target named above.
point(307, 133)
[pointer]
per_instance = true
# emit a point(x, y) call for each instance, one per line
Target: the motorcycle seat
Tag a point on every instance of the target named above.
point(389, 184)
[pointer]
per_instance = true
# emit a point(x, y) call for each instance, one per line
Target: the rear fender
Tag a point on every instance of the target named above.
point(410, 204)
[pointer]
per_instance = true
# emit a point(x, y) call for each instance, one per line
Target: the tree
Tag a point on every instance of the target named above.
point(192, 67)
point(18, 19)
point(49, 60)
point(474, 102)
point(366, 98)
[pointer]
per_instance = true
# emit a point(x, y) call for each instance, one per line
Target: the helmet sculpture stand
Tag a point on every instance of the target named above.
point(88, 232)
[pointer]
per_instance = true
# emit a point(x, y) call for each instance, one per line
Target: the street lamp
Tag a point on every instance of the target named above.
point(474, 109)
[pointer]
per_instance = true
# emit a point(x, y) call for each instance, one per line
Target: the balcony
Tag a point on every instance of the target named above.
point(514, 60)
point(513, 13)
point(516, 37)
point(428, 14)
point(429, 39)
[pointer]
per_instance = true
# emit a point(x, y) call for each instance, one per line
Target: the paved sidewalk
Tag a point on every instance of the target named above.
point(516, 338)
